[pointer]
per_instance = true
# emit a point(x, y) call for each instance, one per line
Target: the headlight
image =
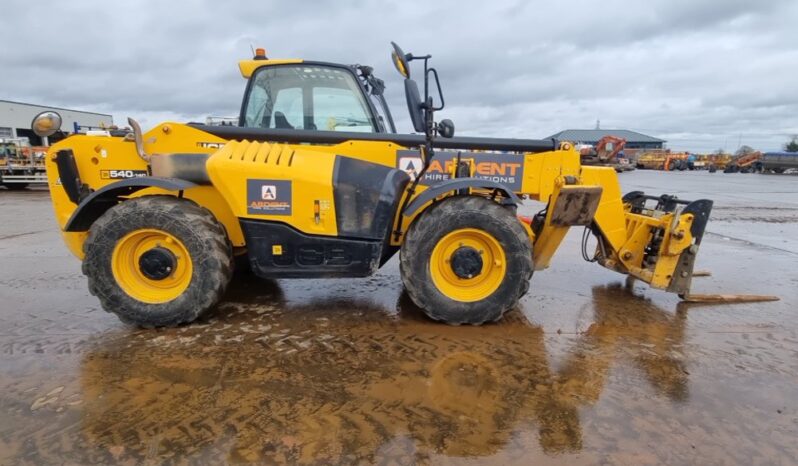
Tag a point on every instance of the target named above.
point(46, 123)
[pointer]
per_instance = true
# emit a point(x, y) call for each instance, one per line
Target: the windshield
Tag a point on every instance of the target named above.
point(310, 97)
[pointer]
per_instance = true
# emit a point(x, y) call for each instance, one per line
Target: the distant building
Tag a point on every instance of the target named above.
point(634, 140)
point(16, 117)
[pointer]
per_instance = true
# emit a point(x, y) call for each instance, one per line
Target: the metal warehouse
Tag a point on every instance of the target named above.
point(634, 140)
point(16, 117)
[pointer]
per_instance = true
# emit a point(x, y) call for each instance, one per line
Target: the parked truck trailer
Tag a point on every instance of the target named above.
point(21, 164)
point(779, 162)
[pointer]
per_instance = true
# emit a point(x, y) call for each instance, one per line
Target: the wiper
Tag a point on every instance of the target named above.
point(347, 121)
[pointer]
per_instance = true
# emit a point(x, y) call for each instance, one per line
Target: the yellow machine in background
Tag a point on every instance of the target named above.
point(314, 182)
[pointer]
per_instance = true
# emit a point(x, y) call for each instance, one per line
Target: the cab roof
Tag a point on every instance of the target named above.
point(248, 67)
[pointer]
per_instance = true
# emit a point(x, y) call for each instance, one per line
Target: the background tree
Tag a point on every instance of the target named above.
point(744, 150)
point(792, 146)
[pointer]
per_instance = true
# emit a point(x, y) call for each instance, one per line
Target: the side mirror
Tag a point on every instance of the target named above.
point(46, 123)
point(399, 59)
point(415, 106)
point(446, 128)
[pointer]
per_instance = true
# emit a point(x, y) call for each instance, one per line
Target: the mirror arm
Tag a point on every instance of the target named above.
point(426, 82)
point(411, 57)
point(440, 90)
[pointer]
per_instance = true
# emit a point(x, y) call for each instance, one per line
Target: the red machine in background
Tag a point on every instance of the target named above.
point(745, 163)
point(606, 153)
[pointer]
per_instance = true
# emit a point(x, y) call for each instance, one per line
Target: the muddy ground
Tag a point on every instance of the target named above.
point(348, 371)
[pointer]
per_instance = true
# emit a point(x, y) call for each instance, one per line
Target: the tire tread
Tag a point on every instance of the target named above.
point(212, 273)
point(431, 223)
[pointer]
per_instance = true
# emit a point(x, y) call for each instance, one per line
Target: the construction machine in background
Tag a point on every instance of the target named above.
point(651, 160)
point(21, 164)
point(716, 161)
point(664, 160)
point(221, 121)
point(697, 162)
point(314, 182)
point(745, 163)
point(607, 152)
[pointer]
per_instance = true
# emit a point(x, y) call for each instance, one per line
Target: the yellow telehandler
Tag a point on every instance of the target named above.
point(314, 182)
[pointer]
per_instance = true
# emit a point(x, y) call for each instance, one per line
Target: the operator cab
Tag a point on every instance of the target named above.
point(313, 96)
point(319, 96)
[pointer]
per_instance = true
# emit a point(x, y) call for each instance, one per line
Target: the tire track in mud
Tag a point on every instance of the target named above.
point(18, 235)
point(344, 382)
point(750, 243)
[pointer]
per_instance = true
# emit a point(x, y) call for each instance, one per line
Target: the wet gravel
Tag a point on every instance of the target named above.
point(588, 370)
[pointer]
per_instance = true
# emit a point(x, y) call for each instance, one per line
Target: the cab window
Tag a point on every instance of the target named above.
point(288, 105)
point(307, 97)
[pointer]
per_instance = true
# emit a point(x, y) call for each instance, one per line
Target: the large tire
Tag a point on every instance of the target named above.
point(157, 294)
point(447, 294)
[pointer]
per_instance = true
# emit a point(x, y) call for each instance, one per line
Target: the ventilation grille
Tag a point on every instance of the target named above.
point(258, 152)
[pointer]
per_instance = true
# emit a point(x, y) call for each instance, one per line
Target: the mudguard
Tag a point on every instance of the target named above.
point(457, 184)
point(98, 202)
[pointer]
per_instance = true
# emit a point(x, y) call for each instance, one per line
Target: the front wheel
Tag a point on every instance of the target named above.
point(157, 261)
point(466, 260)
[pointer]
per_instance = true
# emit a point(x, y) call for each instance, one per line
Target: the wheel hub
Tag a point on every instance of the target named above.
point(466, 262)
point(158, 263)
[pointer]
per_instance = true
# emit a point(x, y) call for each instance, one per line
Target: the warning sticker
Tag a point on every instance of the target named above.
point(507, 169)
point(268, 197)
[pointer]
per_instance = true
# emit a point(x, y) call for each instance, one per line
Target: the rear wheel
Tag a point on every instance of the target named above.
point(157, 261)
point(466, 260)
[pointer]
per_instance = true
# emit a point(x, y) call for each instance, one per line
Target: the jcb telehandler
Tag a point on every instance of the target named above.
point(314, 182)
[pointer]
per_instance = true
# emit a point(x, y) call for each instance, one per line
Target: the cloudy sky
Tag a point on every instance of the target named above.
point(701, 74)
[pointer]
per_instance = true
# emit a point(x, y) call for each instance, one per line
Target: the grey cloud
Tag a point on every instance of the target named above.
point(698, 73)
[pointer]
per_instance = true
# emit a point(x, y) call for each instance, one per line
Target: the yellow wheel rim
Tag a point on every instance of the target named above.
point(125, 265)
point(481, 284)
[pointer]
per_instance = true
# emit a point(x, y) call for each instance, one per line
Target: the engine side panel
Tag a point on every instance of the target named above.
point(276, 182)
point(315, 192)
